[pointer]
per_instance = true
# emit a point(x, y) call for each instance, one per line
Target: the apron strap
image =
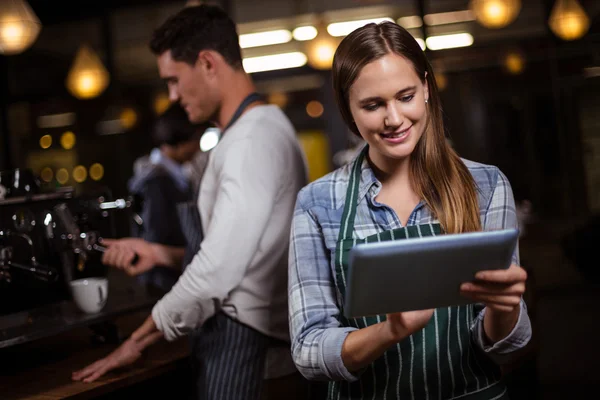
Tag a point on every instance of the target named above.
point(251, 98)
point(350, 205)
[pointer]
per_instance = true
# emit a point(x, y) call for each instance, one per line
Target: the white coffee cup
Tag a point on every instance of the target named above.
point(90, 294)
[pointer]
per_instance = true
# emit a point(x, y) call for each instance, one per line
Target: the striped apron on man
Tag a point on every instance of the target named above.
point(227, 357)
point(437, 362)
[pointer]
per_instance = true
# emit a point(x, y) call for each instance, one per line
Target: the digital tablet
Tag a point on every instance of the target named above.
point(421, 273)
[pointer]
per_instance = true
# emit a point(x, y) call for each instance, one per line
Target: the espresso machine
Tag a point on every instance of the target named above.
point(49, 239)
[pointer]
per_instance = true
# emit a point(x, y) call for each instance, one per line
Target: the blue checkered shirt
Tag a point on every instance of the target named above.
point(314, 303)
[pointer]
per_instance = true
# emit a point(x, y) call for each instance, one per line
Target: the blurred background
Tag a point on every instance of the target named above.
point(519, 80)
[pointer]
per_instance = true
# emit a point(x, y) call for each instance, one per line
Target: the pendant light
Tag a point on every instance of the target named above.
point(568, 20)
point(321, 49)
point(88, 77)
point(495, 14)
point(19, 26)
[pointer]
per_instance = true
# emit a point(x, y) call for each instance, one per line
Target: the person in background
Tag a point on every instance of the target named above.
point(161, 181)
point(406, 182)
point(232, 296)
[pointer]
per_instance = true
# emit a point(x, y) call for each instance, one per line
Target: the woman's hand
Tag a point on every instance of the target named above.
point(364, 346)
point(404, 324)
point(501, 292)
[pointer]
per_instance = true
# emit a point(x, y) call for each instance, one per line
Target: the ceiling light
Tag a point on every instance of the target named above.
point(274, 62)
point(344, 28)
point(452, 17)
point(87, 77)
point(410, 22)
point(449, 41)
point(56, 120)
point(303, 33)
point(495, 14)
point(19, 26)
point(267, 38)
point(568, 20)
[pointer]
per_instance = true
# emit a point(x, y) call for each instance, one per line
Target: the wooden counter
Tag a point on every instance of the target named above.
point(42, 369)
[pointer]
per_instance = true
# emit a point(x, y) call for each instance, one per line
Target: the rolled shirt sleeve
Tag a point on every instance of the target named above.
point(501, 214)
point(316, 334)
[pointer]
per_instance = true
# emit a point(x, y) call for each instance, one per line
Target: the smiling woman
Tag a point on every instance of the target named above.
point(387, 94)
point(407, 182)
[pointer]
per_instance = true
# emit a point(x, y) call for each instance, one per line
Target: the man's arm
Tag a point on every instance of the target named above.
point(249, 179)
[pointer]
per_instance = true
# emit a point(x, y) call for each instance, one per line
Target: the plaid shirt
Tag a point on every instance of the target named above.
point(316, 333)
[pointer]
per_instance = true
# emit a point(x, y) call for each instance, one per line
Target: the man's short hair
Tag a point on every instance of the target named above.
point(173, 127)
point(197, 28)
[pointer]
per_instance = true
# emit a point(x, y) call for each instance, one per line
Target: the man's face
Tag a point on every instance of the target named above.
point(191, 86)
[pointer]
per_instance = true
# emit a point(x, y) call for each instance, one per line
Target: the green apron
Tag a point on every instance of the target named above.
point(437, 362)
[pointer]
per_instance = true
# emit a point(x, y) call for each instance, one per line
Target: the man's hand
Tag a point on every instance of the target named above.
point(501, 292)
point(126, 354)
point(121, 253)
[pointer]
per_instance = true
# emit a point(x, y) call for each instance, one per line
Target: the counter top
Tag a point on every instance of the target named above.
point(42, 369)
point(124, 296)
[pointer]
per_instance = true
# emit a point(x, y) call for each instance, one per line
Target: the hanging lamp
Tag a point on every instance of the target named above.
point(88, 77)
point(495, 14)
point(568, 20)
point(19, 26)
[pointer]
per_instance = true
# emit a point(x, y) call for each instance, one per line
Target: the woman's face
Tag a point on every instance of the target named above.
point(387, 102)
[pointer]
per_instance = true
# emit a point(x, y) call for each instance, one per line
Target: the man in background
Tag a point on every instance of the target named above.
point(161, 180)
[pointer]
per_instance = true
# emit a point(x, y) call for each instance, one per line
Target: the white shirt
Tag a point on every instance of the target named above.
point(246, 203)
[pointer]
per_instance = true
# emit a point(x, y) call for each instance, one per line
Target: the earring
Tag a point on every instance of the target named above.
point(426, 101)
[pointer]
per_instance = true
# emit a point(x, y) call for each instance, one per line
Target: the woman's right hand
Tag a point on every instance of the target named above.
point(363, 346)
point(403, 324)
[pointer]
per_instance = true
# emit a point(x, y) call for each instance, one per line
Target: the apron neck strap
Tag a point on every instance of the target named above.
point(251, 98)
point(347, 226)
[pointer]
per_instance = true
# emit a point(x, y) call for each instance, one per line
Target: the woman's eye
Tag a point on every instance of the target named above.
point(371, 107)
point(406, 99)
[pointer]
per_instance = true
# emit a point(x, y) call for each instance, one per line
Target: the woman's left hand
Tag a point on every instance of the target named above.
point(499, 290)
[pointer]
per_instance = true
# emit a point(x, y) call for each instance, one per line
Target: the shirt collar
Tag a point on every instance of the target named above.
point(368, 181)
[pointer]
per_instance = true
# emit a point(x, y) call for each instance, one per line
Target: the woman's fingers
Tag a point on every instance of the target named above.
point(509, 301)
point(513, 274)
point(479, 287)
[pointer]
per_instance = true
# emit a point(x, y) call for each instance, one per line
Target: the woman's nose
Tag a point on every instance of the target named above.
point(393, 118)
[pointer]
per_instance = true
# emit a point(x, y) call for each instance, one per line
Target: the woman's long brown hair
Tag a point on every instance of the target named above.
point(438, 174)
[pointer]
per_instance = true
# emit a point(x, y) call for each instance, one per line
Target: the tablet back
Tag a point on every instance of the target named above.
point(417, 274)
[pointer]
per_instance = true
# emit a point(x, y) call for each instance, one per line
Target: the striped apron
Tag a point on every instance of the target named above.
point(227, 357)
point(437, 362)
